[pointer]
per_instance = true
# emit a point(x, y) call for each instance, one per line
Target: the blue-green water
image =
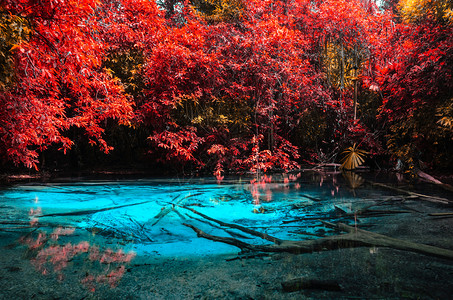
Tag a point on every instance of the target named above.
point(99, 229)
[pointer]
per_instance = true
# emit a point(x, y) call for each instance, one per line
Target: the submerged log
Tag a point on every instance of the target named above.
point(433, 199)
point(375, 239)
point(230, 232)
point(374, 212)
point(298, 284)
point(172, 207)
point(353, 238)
point(90, 211)
point(8, 229)
point(435, 181)
point(242, 228)
point(311, 198)
point(446, 214)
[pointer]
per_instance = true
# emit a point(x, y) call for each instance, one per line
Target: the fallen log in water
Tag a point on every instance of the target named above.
point(310, 197)
point(433, 199)
point(379, 240)
point(435, 181)
point(9, 229)
point(353, 238)
point(90, 211)
point(242, 228)
point(380, 212)
point(230, 232)
point(441, 214)
point(171, 207)
point(26, 224)
point(298, 284)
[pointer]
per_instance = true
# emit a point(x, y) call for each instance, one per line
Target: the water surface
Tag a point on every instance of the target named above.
point(100, 232)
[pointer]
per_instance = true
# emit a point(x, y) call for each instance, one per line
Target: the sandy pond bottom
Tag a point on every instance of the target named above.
point(72, 257)
point(362, 273)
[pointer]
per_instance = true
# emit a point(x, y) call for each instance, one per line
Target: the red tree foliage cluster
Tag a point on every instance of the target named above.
point(59, 80)
point(415, 76)
point(252, 85)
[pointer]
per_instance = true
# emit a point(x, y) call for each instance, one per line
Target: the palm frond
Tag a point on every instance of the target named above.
point(353, 158)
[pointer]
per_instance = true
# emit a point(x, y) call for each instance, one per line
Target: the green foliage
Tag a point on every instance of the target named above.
point(400, 143)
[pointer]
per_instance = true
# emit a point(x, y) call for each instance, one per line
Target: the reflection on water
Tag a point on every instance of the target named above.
point(96, 229)
point(354, 180)
point(50, 256)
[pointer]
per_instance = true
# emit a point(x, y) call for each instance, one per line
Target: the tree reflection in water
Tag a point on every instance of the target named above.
point(262, 187)
point(49, 255)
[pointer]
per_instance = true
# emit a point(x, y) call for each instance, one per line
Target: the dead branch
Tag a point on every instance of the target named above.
point(90, 211)
point(232, 233)
point(433, 180)
point(167, 209)
point(8, 229)
point(441, 214)
point(380, 212)
point(422, 196)
point(242, 228)
point(311, 198)
point(249, 255)
point(298, 284)
point(15, 222)
point(163, 212)
point(226, 240)
point(326, 165)
point(353, 238)
point(26, 224)
point(306, 219)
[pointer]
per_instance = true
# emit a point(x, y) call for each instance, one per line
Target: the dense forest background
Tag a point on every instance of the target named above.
point(225, 86)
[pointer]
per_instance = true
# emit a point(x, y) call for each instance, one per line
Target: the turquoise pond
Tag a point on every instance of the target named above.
point(49, 229)
point(149, 214)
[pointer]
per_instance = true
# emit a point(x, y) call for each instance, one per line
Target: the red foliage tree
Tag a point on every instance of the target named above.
point(240, 86)
point(59, 80)
point(258, 65)
point(229, 95)
point(415, 78)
